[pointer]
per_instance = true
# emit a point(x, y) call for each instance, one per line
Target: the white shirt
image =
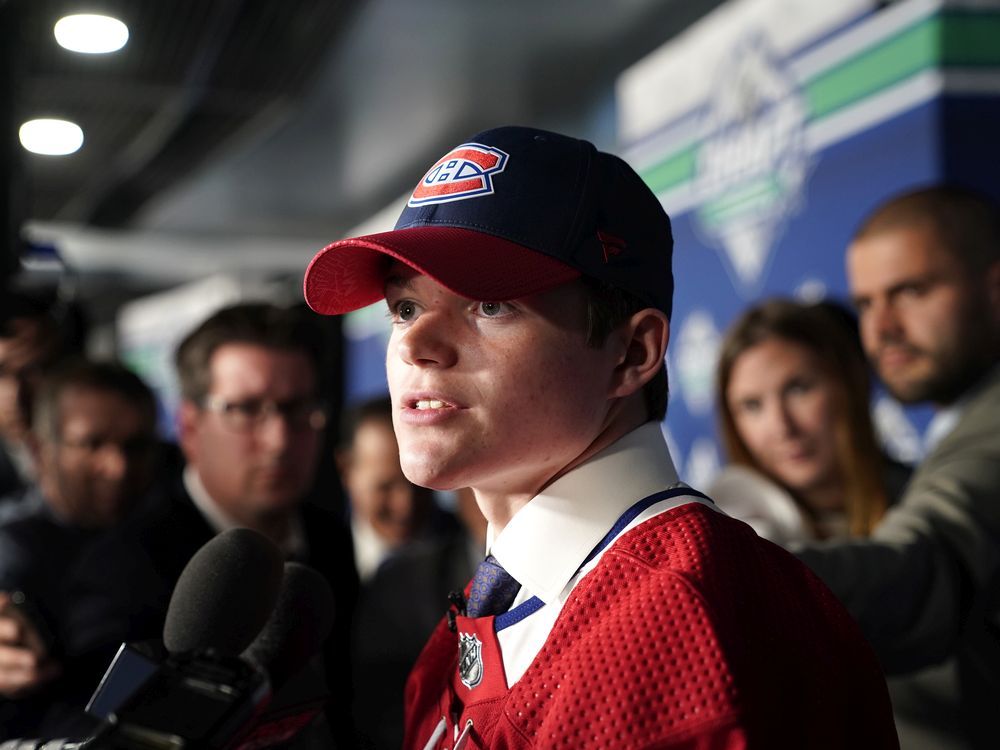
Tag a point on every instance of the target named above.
point(546, 542)
point(370, 550)
point(294, 544)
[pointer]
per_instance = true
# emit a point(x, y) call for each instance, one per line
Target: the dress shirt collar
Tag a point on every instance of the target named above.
point(294, 544)
point(548, 539)
point(370, 550)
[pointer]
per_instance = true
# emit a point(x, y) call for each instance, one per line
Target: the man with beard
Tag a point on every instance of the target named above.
point(924, 272)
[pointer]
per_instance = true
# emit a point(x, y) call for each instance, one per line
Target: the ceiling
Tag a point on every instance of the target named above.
point(242, 134)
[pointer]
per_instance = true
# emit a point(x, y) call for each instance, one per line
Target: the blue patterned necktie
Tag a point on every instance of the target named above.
point(493, 589)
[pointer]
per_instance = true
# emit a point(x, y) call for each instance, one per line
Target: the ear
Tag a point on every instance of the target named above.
point(646, 335)
point(188, 416)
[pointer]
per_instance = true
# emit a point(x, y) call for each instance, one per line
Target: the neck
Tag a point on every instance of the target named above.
point(825, 497)
point(275, 526)
point(499, 505)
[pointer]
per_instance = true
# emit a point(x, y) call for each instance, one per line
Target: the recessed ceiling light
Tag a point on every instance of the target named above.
point(51, 137)
point(91, 34)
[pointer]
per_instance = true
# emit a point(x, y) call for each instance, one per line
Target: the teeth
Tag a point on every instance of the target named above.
point(430, 403)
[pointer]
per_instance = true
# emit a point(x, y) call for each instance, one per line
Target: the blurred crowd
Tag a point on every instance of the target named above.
point(99, 515)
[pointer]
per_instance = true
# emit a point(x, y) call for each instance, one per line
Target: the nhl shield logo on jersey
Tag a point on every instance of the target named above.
point(465, 172)
point(470, 659)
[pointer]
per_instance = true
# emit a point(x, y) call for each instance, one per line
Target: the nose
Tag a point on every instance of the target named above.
point(274, 431)
point(429, 341)
point(880, 323)
point(113, 462)
point(781, 419)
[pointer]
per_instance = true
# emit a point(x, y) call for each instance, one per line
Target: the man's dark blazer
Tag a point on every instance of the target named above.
point(397, 613)
point(36, 551)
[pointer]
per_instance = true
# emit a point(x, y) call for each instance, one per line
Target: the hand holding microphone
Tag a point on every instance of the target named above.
point(25, 663)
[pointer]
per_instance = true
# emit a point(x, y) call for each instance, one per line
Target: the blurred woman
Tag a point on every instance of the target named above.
point(793, 397)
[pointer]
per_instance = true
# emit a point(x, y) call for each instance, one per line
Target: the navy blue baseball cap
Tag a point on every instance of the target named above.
point(513, 211)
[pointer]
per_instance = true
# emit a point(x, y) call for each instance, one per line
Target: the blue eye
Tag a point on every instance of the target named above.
point(403, 311)
point(492, 309)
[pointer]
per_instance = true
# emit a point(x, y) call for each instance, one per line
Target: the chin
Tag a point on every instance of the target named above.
point(425, 473)
point(281, 502)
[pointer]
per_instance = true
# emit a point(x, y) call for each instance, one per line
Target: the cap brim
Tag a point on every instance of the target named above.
point(350, 274)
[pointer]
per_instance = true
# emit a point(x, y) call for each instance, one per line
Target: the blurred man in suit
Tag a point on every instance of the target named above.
point(94, 441)
point(250, 426)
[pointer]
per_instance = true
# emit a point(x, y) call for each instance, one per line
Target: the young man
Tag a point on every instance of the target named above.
point(529, 284)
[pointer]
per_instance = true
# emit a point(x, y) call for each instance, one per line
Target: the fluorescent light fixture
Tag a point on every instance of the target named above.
point(51, 137)
point(91, 34)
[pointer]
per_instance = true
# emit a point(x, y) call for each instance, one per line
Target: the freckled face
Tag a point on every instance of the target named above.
point(498, 396)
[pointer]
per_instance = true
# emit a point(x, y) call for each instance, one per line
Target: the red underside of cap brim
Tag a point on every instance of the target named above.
point(350, 274)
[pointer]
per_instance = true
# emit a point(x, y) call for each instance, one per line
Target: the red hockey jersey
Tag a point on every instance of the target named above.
point(691, 632)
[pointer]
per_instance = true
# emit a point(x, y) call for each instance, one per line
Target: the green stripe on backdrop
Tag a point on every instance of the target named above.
point(674, 170)
point(968, 39)
point(963, 40)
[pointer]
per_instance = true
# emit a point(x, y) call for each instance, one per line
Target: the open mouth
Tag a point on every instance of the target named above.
point(427, 404)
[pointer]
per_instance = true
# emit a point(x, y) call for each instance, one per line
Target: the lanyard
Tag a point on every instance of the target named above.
point(532, 605)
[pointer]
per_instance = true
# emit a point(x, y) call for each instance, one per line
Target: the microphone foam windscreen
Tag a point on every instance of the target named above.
point(225, 594)
point(301, 621)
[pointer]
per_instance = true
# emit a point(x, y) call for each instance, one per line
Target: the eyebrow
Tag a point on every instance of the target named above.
point(397, 281)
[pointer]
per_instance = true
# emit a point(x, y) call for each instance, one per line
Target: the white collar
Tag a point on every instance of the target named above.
point(294, 544)
point(548, 539)
point(370, 549)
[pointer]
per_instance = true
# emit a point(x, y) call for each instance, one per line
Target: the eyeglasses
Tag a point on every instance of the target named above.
point(243, 416)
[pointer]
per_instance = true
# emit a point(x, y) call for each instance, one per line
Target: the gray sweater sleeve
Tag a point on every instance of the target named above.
point(932, 563)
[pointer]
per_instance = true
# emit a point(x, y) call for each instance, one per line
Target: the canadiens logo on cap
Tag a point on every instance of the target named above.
point(465, 172)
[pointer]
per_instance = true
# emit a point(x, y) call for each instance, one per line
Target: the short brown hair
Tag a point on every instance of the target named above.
point(258, 323)
point(966, 221)
point(609, 307)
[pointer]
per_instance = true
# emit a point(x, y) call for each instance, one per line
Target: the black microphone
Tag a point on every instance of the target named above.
point(225, 595)
point(202, 692)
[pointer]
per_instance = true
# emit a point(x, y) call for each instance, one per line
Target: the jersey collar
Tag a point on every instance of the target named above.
point(548, 539)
